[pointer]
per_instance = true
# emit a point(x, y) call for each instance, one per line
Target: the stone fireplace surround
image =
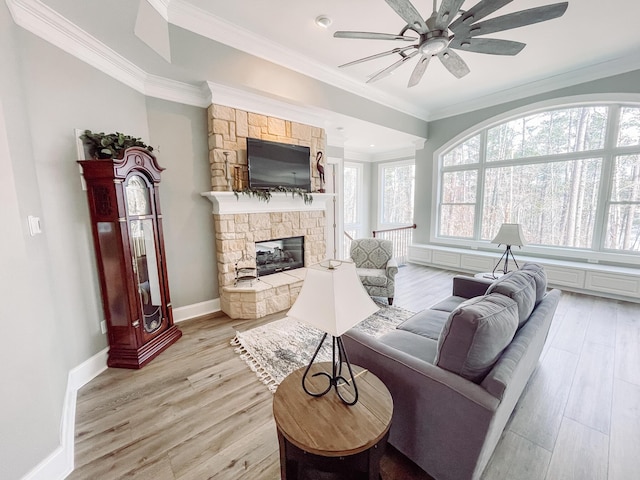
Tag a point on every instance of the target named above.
point(241, 221)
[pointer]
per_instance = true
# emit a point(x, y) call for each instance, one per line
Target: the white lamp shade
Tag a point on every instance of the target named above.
point(510, 234)
point(332, 299)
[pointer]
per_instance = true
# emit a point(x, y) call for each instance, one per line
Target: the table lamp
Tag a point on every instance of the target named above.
point(509, 234)
point(333, 300)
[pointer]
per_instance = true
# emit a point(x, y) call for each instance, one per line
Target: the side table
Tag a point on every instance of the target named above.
point(324, 434)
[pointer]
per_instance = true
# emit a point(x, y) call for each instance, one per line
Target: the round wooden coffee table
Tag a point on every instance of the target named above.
point(323, 434)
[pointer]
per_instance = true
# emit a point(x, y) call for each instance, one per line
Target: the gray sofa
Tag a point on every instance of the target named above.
point(457, 370)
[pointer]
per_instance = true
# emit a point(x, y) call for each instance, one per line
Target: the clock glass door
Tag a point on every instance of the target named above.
point(144, 254)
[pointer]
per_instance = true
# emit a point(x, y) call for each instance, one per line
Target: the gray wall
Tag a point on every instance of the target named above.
point(50, 308)
point(180, 134)
point(32, 384)
point(442, 131)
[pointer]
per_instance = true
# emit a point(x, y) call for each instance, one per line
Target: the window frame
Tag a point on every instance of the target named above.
point(359, 199)
point(608, 153)
point(381, 167)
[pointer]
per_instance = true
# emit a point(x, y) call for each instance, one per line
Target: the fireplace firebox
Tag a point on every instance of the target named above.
point(280, 254)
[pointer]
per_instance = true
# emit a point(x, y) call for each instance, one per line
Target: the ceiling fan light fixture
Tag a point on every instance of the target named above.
point(323, 21)
point(434, 46)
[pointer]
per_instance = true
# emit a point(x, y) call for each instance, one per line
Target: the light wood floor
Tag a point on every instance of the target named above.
point(198, 412)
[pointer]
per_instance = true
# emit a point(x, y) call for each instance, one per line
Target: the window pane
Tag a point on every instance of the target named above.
point(626, 179)
point(623, 228)
point(629, 131)
point(548, 133)
point(456, 220)
point(397, 194)
point(351, 185)
point(555, 202)
point(465, 153)
point(459, 187)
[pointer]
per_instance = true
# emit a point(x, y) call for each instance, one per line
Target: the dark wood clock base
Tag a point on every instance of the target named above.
point(138, 358)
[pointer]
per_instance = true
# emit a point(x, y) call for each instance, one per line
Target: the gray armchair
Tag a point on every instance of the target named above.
point(375, 265)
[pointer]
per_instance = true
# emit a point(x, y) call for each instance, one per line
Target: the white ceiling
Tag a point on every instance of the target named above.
point(592, 40)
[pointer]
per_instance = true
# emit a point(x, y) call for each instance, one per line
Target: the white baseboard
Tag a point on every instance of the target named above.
point(59, 463)
point(181, 314)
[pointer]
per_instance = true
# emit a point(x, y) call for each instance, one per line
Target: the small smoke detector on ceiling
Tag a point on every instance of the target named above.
point(323, 21)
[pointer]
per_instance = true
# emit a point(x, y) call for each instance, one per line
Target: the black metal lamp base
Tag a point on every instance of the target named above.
point(505, 256)
point(335, 379)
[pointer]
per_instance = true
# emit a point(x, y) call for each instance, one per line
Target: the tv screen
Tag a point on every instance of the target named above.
point(274, 164)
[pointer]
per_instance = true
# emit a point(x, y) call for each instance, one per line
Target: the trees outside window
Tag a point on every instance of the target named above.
point(396, 193)
point(570, 176)
point(353, 198)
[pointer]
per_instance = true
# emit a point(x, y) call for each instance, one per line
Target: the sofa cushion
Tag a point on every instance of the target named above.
point(415, 345)
point(428, 323)
point(540, 276)
point(520, 287)
point(475, 335)
point(449, 304)
point(372, 276)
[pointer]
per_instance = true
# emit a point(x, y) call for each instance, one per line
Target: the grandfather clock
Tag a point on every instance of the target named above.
point(127, 233)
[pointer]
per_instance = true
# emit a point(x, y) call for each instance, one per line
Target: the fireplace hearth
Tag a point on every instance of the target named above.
point(279, 255)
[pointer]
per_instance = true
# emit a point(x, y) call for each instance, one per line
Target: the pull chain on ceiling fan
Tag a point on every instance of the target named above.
point(433, 34)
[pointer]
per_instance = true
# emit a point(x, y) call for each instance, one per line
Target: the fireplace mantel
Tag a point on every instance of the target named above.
point(228, 203)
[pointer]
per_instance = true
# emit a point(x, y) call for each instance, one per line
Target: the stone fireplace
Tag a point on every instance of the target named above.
point(241, 221)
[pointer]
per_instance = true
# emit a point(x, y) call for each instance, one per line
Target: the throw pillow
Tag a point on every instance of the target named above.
point(540, 276)
point(518, 286)
point(475, 335)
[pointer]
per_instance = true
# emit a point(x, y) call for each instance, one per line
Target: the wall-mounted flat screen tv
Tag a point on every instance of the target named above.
point(274, 164)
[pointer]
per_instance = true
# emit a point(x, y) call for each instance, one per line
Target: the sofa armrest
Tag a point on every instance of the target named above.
point(437, 415)
point(469, 287)
point(392, 268)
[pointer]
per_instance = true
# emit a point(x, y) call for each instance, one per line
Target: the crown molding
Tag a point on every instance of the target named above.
point(202, 22)
point(575, 77)
point(258, 103)
point(46, 23)
point(174, 91)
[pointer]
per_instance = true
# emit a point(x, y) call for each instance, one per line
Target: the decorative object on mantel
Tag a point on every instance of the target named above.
point(110, 145)
point(509, 234)
point(320, 168)
point(227, 169)
point(276, 349)
point(265, 194)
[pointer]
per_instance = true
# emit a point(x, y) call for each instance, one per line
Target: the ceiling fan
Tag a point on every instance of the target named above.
point(433, 34)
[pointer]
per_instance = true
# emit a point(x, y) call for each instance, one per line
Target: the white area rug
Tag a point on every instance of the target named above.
point(278, 348)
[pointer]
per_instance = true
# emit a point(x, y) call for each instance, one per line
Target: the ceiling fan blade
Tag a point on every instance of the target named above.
point(418, 72)
point(386, 71)
point(447, 12)
point(377, 55)
point(373, 36)
point(478, 12)
point(488, 45)
point(519, 19)
point(452, 61)
point(409, 14)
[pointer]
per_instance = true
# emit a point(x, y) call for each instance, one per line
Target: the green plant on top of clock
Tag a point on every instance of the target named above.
point(110, 145)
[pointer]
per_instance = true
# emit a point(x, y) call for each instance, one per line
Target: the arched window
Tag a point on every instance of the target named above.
point(570, 176)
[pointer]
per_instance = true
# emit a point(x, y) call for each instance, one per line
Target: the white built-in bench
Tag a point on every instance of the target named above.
point(610, 281)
